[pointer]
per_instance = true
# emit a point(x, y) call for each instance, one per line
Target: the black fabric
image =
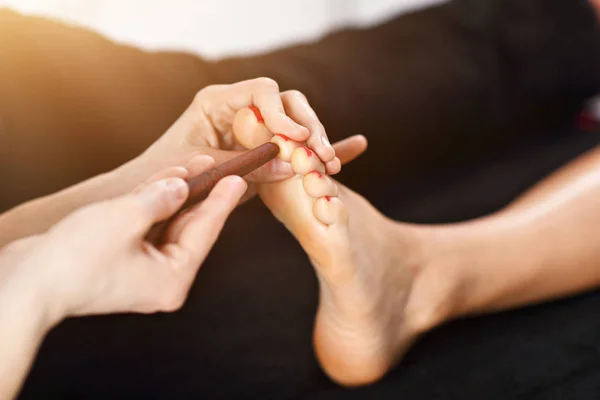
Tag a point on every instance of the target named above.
point(465, 105)
point(245, 331)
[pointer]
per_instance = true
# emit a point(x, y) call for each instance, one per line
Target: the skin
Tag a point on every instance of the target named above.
point(596, 5)
point(384, 283)
point(205, 128)
point(97, 261)
point(89, 250)
point(374, 303)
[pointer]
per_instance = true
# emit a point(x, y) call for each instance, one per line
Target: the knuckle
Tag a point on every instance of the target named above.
point(207, 91)
point(318, 126)
point(317, 130)
point(268, 83)
point(295, 94)
point(199, 97)
point(199, 102)
point(204, 95)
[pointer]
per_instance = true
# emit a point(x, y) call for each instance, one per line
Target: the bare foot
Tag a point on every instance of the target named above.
point(367, 267)
point(375, 295)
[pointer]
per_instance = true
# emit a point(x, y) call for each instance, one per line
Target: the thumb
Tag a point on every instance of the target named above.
point(273, 171)
point(158, 201)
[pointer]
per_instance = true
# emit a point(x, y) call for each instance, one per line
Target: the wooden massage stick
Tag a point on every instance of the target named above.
point(201, 185)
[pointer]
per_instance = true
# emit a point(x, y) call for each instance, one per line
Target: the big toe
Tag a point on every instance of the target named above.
point(249, 128)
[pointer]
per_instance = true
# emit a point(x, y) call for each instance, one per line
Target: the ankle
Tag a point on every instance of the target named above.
point(436, 293)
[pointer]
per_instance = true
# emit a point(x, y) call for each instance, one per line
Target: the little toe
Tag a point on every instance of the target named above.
point(286, 146)
point(249, 129)
point(318, 185)
point(330, 210)
point(304, 160)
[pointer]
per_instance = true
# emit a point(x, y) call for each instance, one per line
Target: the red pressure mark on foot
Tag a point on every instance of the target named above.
point(328, 199)
point(281, 135)
point(316, 172)
point(257, 114)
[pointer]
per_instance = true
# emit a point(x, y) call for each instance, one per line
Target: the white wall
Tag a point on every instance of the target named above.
point(216, 28)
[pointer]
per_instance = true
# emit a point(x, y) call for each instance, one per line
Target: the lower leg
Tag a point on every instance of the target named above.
point(544, 246)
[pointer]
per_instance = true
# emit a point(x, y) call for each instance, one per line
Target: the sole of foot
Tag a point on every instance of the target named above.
point(367, 268)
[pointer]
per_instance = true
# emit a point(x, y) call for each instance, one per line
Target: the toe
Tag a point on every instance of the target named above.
point(305, 160)
point(318, 185)
point(249, 129)
point(286, 146)
point(333, 167)
point(330, 210)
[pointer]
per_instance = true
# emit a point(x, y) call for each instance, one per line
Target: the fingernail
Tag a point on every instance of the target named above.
point(177, 187)
point(257, 114)
point(205, 158)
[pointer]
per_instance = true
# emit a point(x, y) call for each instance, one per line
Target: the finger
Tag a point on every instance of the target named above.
point(174, 230)
point(207, 220)
point(249, 195)
point(298, 108)
point(195, 166)
point(173, 172)
point(267, 99)
point(333, 167)
point(274, 171)
point(199, 164)
point(154, 203)
point(349, 149)
point(263, 93)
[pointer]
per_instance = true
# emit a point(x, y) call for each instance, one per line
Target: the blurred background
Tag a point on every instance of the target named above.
point(216, 29)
